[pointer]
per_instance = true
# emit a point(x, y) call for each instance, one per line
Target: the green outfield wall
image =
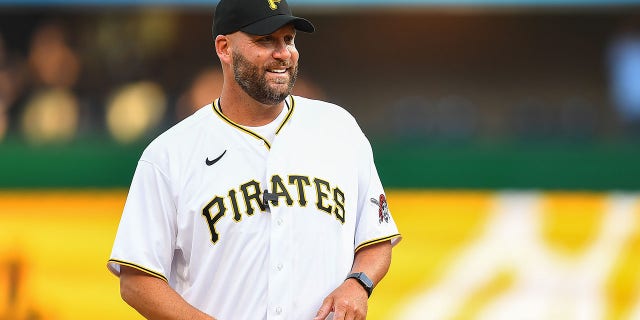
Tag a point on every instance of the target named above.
point(549, 165)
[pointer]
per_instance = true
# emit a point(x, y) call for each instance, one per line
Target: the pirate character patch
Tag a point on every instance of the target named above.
point(383, 208)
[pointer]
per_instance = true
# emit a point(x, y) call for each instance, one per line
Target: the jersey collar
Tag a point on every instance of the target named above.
point(290, 106)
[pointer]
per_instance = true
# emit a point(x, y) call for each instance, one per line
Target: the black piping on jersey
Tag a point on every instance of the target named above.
point(374, 241)
point(143, 269)
point(218, 111)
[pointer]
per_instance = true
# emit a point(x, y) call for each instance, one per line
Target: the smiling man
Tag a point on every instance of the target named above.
point(261, 205)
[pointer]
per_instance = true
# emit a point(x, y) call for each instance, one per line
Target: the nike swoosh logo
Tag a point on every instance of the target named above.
point(212, 162)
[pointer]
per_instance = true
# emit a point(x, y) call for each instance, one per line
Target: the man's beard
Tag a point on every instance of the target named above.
point(254, 81)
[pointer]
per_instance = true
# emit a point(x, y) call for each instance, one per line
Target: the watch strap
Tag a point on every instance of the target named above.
point(362, 278)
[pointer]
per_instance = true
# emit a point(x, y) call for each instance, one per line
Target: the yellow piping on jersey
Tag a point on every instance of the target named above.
point(374, 241)
point(286, 118)
point(143, 269)
point(216, 108)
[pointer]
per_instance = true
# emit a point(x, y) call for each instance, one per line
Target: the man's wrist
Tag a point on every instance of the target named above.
point(363, 280)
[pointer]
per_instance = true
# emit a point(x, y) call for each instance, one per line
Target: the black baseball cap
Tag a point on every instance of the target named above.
point(258, 17)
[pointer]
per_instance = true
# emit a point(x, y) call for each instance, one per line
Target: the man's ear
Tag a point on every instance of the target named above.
point(223, 48)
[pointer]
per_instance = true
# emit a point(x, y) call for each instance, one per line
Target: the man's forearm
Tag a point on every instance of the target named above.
point(373, 260)
point(154, 298)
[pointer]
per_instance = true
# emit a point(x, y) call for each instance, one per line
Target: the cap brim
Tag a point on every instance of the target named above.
point(273, 23)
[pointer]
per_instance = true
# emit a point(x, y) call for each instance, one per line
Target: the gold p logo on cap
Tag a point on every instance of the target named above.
point(272, 4)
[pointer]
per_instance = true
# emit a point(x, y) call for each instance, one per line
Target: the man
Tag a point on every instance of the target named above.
point(260, 205)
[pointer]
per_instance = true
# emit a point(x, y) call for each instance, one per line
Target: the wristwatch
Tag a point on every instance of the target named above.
point(364, 281)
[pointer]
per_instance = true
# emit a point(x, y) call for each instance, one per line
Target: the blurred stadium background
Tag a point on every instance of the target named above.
point(506, 133)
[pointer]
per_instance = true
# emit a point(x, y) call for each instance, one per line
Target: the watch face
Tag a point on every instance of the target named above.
point(363, 277)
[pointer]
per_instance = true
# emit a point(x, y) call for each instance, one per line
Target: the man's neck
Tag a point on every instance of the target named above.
point(244, 110)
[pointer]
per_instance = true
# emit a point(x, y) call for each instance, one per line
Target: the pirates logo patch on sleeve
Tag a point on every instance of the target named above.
point(383, 208)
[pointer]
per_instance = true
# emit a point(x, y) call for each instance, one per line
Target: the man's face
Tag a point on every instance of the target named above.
point(266, 67)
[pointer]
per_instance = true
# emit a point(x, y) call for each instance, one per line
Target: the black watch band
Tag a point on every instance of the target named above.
point(366, 283)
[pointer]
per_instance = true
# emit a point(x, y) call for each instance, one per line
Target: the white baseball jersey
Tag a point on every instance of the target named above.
point(245, 228)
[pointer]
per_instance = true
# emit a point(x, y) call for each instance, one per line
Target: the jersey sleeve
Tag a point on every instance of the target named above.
point(374, 223)
point(145, 239)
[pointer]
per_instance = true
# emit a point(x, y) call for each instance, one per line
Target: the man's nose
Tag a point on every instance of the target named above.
point(282, 51)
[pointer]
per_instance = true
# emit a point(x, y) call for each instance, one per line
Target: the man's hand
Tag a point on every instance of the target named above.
point(348, 302)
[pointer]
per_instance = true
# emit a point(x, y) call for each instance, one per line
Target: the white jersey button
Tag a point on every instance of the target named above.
point(278, 310)
point(279, 221)
point(279, 266)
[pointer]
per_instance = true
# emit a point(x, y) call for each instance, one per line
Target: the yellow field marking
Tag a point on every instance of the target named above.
point(623, 285)
point(500, 282)
point(54, 246)
point(435, 225)
point(62, 240)
point(571, 221)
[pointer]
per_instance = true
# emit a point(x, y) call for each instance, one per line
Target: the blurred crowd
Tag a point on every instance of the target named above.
point(41, 96)
point(624, 72)
point(130, 79)
point(44, 79)
point(48, 95)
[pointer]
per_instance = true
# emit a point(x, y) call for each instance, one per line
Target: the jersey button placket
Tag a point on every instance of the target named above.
point(280, 288)
point(279, 283)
